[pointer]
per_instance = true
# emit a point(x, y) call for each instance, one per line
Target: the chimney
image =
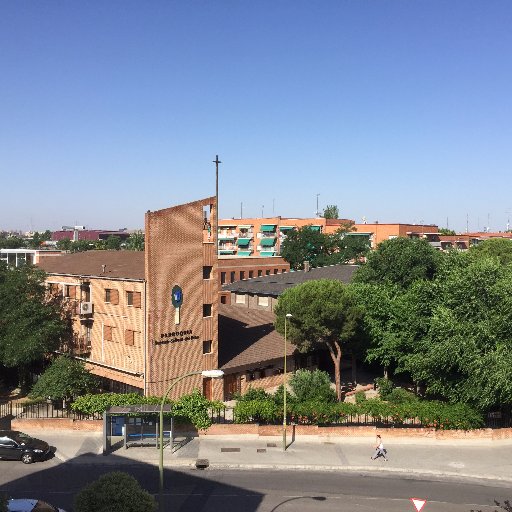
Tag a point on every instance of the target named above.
point(103, 268)
point(306, 266)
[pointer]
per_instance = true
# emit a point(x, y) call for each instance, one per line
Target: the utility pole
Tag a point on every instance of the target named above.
point(262, 206)
point(217, 162)
point(317, 212)
point(241, 209)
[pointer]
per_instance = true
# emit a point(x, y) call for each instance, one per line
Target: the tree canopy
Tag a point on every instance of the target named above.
point(452, 334)
point(400, 261)
point(30, 321)
point(446, 231)
point(304, 244)
point(324, 313)
point(135, 241)
point(331, 211)
point(499, 248)
point(114, 492)
point(320, 249)
point(64, 379)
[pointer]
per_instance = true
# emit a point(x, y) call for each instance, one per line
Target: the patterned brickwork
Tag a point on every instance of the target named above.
point(111, 359)
point(176, 253)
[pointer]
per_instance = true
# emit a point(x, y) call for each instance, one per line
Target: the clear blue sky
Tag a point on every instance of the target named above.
point(399, 111)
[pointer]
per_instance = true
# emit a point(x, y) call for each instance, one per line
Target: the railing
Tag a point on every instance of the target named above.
point(226, 415)
point(50, 409)
point(5, 409)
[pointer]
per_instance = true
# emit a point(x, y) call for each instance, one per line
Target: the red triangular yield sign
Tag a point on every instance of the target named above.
point(419, 504)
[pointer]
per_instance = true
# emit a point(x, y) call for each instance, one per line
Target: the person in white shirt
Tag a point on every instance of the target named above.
point(379, 449)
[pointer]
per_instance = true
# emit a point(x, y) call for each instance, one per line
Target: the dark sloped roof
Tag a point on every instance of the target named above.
point(118, 264)
point(247, 337)
point(276, 284)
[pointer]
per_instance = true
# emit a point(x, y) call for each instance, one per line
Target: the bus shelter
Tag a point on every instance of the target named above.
point(136, 425)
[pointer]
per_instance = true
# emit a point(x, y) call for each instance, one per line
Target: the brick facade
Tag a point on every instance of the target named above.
point(176, 251)
point(107, 356)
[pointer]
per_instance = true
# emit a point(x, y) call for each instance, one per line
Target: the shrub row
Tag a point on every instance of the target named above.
point(434, 414)
point(193, 408)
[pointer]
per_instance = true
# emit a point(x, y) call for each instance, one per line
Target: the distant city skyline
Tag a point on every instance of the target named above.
point(393, 111)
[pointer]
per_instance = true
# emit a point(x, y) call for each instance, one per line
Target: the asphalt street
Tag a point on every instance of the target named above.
point(191, 490)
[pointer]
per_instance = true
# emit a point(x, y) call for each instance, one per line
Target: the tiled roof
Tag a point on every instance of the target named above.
point(276, 284)
point(247, 337)
point(118, 264)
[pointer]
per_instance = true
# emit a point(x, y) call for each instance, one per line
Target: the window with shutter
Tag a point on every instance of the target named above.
point(129, 337)
point(114, 297)
point(107, 333)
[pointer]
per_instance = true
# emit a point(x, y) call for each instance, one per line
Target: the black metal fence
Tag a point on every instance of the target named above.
point(50, 410)
point(494, 420)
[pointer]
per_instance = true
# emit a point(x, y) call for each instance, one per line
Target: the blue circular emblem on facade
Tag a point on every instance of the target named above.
point(177, 296)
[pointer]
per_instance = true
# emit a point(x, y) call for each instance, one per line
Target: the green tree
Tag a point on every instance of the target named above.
point(64, 379)
point(305, 244)
point(347, 246)
point(331, 212)
point(65, 244)
point(35, 242)
point(11, 242)
point(452, 334)
point(499, 248)
point(82, 246)
point(30, 321)
point(400, 261)
point(135, 241)
point(114, 492)
point(324, 315)
point(446, 231)
point(312, 386)
point(113, 243)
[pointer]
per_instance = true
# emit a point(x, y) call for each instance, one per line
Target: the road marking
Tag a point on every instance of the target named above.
point(418, 504)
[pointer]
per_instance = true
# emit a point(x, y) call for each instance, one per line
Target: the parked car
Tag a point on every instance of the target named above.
point(27, 505)
point(15, 445)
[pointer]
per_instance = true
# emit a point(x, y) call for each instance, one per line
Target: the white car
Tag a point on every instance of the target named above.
point(27, 505)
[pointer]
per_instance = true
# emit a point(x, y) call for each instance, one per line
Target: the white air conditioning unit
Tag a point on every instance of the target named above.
point(86, 308)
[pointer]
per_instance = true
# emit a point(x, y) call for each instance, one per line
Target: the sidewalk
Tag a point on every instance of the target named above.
point(486, 463)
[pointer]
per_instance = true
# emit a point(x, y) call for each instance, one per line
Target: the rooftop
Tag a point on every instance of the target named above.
point(117, 264)
point(276, 284)
point(247, 337)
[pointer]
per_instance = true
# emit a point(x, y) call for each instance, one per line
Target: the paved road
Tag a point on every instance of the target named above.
point(257, 490)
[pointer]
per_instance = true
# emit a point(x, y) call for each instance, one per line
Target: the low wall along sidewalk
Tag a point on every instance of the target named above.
point(255, 430)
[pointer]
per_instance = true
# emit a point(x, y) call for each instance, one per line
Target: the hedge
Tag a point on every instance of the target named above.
point(193, 408)
point(433, 414)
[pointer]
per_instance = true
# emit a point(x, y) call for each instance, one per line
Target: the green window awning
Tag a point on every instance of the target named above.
point(226, 237)
point(315, 228)
point(227, 251)
point(245, 226)
point(244, 253)
point(243, 241)
point(286, 228)
point(267, 253)
point(268, 228)
point(268, 242)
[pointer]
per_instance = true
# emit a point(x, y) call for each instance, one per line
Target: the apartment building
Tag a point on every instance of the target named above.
point(263, 236)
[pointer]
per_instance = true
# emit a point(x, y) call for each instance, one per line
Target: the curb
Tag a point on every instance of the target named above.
point(369, 470)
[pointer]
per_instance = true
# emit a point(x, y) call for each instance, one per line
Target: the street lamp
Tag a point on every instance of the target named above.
point(288, 315)
point(214, 374)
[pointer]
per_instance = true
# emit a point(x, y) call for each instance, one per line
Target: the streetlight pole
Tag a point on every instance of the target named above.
point(215, 374)
point(288, 315)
